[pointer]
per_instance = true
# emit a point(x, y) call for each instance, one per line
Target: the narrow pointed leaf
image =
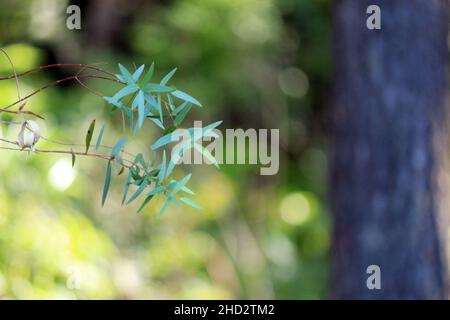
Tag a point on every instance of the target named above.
point(73, 159)
point(157, 88)
point(141, 109)
point(168, 76)
point(185, 97)
point(126, 74)
point(190, 202)
point(89, 134)
point(118, 146)
point(138, 73)
point(99, 138)
point(106, 183)
point(148, 75)
point(205, 152)
point(138, 191)
point(162, 170)
point(146, 201)
point(127, 186)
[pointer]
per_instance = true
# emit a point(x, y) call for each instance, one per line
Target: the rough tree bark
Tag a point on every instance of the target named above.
point(388, 113)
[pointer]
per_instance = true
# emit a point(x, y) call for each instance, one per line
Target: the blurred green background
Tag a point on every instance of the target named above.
point(252, 63)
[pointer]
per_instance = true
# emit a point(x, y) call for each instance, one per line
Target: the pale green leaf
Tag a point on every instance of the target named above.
point(168, 76)
point(99, 138)
point(118, 146)
point(185, 97)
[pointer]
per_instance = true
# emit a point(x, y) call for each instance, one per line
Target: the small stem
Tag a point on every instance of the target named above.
point(169, 112)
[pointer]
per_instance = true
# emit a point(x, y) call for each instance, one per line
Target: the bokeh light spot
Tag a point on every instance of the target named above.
point(295, 208)
point(61, 175)
point(293, 82)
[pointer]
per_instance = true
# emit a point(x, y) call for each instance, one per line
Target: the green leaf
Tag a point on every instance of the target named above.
point(160, 109)
point(146, 201)
point(99, 138)
point(166, 204)
point(148, 75)
point(73, 158)
point(168, 138)
point(190, 202)
point(185, 97)
point(118, 146)
point(89, 134)
point(157, 88)
point(181, 183)
point(114, 102)
point(155, 120)
point(138, 73)
point(127, 186)
point(170, 130)
point(181, 107)
point(140, 159)
point(107, 183)
point(151, 101)
point(122, 169)
point(125, 92)
point(183, 113)
point(170, 101)
point(155, 191)
point(126, 74)
point(138, 191)
point(168, 76)
point(162, 171)
point(211, 127)
point(205, 152)
point(141, 110)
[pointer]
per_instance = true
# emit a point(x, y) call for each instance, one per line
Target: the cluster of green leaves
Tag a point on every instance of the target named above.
point(166, 107)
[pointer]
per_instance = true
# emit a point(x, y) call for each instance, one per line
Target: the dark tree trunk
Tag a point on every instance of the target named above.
point(388, 115)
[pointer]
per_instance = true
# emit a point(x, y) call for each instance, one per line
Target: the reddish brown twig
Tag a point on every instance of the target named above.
point(51, 84)
point(59, 65)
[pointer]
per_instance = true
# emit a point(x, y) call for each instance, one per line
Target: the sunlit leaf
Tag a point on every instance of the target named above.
point(185, 97)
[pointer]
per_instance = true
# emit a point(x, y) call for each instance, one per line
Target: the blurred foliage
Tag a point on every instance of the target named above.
point(253, 63)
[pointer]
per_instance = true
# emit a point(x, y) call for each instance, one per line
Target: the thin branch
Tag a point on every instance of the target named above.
point(23, 112)
point(51, 84)
point(83, 145)
point(59, 65)
point(78, 153)
point(14, 70)
point(10, 122)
